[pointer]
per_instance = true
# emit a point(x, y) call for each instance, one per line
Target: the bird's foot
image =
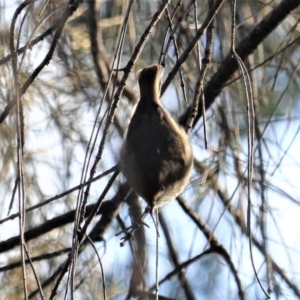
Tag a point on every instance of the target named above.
point(129, 231)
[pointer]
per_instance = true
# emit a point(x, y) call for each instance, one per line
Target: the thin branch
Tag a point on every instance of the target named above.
point(174, 257)
point(229, 65)
point(210, 16)
point(214, 244)
point(66, 15)
point(239, 220)
point(75, 188)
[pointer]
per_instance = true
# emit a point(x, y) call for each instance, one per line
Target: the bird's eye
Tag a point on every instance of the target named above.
point(162, 190)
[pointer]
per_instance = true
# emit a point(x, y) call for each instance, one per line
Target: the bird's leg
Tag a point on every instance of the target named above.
point(131, 229)
point(151, 211)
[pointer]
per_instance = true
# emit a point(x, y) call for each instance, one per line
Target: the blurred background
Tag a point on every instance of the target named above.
point(66, 98)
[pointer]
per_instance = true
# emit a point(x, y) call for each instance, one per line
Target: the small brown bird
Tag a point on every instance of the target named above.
point(156, 157)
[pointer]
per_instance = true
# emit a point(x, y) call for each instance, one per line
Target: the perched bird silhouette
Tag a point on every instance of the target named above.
point(156, 156)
